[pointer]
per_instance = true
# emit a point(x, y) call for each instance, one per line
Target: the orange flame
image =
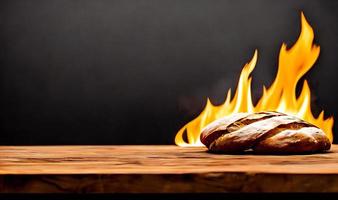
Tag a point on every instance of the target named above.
point(280, 96)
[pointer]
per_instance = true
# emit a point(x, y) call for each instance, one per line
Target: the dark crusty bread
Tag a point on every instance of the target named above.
point(264, 132)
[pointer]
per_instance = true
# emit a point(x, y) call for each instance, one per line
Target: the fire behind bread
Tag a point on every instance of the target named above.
point(264, 133)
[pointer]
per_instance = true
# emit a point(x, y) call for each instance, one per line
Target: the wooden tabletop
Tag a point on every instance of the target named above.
point(159, 169)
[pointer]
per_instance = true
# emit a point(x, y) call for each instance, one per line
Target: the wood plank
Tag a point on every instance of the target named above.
point(160, 169)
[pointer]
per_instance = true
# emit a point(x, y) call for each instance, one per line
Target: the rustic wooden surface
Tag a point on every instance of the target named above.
point(160, 169)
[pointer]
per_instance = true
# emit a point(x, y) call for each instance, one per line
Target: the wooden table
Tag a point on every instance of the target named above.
point(160, 169)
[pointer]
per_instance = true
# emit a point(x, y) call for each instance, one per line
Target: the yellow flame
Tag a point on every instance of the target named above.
point(280, 96)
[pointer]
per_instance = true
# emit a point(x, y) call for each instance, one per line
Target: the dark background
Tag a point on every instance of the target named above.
point(135, 71)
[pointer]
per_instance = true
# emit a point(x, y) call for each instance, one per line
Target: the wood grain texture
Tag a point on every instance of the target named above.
point(160, 169)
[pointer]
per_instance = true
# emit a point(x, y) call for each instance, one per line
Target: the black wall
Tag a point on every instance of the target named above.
point(135, 71)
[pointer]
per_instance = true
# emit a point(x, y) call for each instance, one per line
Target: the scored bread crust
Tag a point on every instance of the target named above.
point(264, 132)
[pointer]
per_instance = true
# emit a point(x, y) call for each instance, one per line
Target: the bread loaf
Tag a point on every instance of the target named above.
point(265, 133)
